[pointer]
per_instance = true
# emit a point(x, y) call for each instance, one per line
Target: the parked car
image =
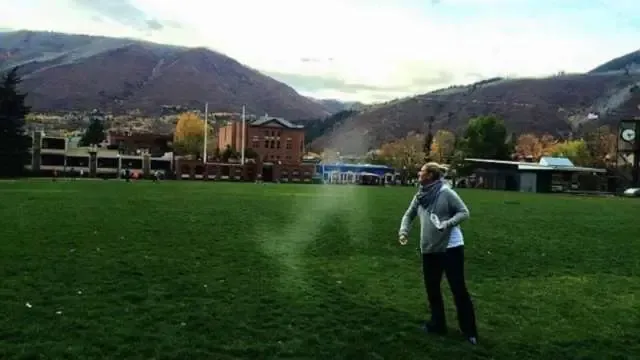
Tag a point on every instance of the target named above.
point(632, 192)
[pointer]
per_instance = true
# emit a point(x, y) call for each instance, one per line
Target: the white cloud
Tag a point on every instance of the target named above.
point(394, 46)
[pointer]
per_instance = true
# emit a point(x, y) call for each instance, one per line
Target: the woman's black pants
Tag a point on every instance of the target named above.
point(451, 263)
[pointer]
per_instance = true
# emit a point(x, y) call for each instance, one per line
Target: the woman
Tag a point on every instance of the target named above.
point(441, 211)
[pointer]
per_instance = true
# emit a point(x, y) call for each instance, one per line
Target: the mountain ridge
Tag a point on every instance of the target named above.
point(561, 105)
point(69, 72)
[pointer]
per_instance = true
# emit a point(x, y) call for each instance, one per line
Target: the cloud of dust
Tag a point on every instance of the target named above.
point(314, 210)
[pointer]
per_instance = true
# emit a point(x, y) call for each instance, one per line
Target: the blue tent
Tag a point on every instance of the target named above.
point(326, 170)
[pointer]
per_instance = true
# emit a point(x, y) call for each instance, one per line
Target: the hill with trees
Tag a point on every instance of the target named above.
point(562, 105)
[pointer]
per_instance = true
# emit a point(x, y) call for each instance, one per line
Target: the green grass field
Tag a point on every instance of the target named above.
point(193, 270)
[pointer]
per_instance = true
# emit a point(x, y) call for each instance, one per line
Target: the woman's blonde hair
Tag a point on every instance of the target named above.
point(438, 170)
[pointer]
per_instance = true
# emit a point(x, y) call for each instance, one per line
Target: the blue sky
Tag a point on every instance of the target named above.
point(367, 50)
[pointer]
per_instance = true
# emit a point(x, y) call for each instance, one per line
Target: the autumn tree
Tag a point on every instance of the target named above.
point(531, 146)
point(403, 153)
point(574, 150)
point(188, 137)
point(528, 145)
point(601, 145)
point(443, 146)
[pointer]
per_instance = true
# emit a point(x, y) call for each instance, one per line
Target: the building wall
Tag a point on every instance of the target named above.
point(196, 170)
point(130, 142)
point(226, 135)
point(272, 142)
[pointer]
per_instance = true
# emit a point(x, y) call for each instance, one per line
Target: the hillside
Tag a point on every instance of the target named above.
point(336, 106)
point(557, 105)
point(626, 62)
point(65, 72)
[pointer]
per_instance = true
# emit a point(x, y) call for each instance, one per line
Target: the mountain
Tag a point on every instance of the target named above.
point(558, 105)
point(628, 62)
point(64, 72)
point(336, 106)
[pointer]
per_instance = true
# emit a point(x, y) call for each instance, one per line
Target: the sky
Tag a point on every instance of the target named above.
point(363, 50)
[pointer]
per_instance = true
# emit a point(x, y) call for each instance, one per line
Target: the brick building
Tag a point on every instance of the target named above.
point(278, 143)
point(275, 140)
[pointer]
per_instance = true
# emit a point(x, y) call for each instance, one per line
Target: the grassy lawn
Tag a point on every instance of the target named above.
point(192, 270)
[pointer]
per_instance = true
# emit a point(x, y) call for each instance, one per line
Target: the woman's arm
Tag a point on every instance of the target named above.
point(408, 217)
point(458, 208)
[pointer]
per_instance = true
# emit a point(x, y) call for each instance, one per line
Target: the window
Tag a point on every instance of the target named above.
point(53, 143)
point(161, 165)
point(255, 144)
point(278, 144)
point(289, 145)
point(132, 163)
point(78, 161)
point(272, 144)
point(52, 160)
point(110, 163)
point(266, 144)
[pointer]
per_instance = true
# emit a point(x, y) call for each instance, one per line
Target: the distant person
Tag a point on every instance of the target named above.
point(441, 211)
point(156, 176)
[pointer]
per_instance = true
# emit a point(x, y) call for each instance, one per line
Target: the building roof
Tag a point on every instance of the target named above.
point(349, 165)
point(267, 119)
point(555, 161)
point(546, 163)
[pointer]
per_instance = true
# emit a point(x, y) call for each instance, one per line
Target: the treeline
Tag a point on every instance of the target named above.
point(486, 137)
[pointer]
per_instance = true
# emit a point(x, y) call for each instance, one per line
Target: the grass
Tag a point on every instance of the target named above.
point(192, 270)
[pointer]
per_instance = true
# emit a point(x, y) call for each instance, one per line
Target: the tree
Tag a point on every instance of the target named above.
point(443, 146)
point(329, 156)
point(486, 138)
point(188, 138)
point(601, 145)
point(94, 134)
point(428, 139)
point(528, 145)
point(574, 150)
point(249, 153)
point(374, 157)
point(403, 153)
point(217, 154)
point(14, 143)
point(229, 153)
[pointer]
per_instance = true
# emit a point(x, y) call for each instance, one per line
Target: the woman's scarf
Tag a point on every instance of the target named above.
point(428, 194)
